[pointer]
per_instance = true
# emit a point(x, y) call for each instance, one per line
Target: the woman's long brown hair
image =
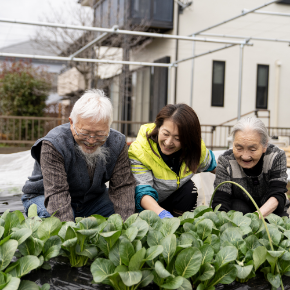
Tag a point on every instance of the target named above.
point(188, 129)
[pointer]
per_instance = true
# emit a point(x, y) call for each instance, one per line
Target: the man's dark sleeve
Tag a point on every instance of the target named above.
point(56, 188)
point(122, 186)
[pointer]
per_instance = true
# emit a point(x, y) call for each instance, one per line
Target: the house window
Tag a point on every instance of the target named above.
point(262, 86)
point(218, 83)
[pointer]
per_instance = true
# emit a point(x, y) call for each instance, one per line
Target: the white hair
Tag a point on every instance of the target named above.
point(93, 103)
point(252, 123)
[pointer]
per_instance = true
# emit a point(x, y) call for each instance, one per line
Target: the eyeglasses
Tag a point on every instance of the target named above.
point(88, 136)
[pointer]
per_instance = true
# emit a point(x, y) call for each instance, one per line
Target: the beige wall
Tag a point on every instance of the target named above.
point(204, 13)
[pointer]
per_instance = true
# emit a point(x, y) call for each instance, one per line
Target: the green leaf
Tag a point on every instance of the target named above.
point(52, 241)
point(28, 285)
point(32, 224)
point(241, 220)
point(252, 242)
point(1, 231)
point(232, 235)
point(88, 223)
point(206, 272)
point(215, 243)
point(130, 220)
point(207, 253)
point(101, 269)
point(154, 238)
point(52, 252)
point(89, 251)
point(259, 256)
point(153, 252)
point(169, 247)
point(217, 208)
point(275, 234)
point(49, 227)
point(24, 265)
point(100, 219)
point(225, 256)
point(32, 211)
point(172, 283)
point(13, 284)
point(147, 278)
point(111, 239)
point(21, 235)
point(142, 227)
point(274, 219)
point(131, 233)
point(151, 218)
point(117, 221)
point(31, 246)
point(188, 262)
point(285, 266)
point(169, 226)
point(274, 280)
point(131, 277)
point(243, 272)
point(114, 254)
point(137, 261)
point(161, 271)
point(64, 228)
point(137, 245)
point(186, 285)
point(7, 251)
point(126, 251)
point(204, 228)
point(11, 221)
point(224, 275)
point(69, 243)
point(201, 210)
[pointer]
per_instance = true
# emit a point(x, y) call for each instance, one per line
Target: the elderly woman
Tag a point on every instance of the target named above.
point(256, 165)
point(164, 158)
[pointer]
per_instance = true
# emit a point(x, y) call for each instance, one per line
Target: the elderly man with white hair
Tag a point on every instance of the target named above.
point(74, 161)
point(256, 165)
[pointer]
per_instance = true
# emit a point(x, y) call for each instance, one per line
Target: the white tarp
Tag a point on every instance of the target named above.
point(14, 170)
point(16, 167)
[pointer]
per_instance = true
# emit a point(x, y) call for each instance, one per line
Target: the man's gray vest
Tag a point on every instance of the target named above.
point(80, 189)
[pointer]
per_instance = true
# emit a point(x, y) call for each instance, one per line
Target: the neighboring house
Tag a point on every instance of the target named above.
point(54, 67)
point(266, 65)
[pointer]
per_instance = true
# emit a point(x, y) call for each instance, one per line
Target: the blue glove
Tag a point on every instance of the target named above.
point(165, 214)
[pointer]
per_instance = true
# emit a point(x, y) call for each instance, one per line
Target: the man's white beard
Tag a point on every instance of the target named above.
point(101, 154)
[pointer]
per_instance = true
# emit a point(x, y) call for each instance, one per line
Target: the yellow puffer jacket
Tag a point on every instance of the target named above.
point(153, 176)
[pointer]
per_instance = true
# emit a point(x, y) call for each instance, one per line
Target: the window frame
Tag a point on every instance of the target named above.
point(212, 83)
point(267, 87)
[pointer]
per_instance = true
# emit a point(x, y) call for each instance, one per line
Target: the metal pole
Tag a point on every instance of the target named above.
point(118, 31)
point(243, 37)
point(168, 84)
point(60, 58)
point(240, 81)
point(192, 74)
point(238, 16)
point(273, 13)
point(204, 53)
point(101, 37)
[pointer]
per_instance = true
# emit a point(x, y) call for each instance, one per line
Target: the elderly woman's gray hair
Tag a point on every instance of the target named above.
point(252, 123)
point(93, 104)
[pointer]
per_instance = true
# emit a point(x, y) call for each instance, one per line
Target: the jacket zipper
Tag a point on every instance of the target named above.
point(178, 181)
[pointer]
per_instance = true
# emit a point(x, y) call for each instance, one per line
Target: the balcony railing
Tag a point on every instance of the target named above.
point(26, 130)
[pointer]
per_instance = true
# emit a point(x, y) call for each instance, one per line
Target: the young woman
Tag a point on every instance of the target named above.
point(164, 158)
